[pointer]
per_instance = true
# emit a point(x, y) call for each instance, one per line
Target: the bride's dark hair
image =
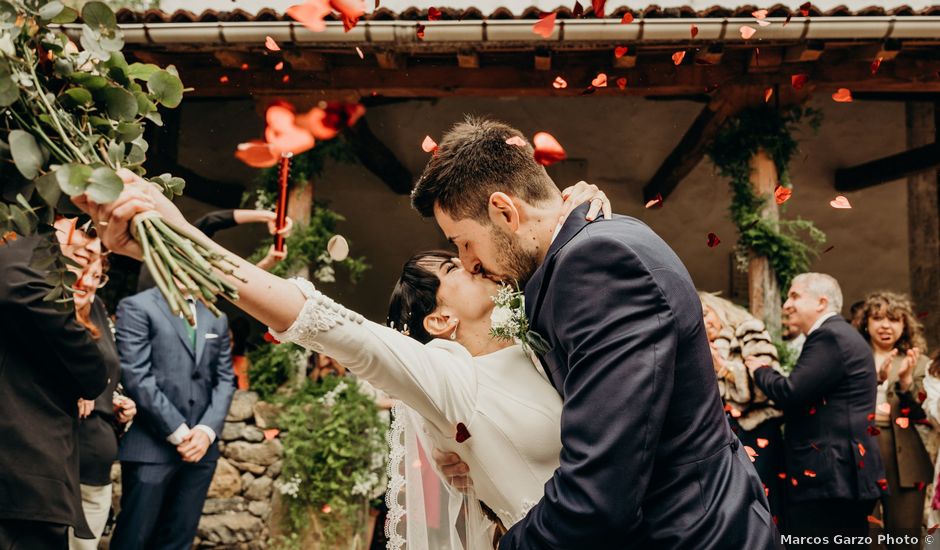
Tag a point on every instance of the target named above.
point(415, 294)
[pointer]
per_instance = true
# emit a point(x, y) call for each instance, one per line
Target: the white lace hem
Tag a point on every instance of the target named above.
point(319, 314)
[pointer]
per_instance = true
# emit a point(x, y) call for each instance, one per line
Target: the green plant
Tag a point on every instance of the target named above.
point(334, 456)
point(782, 242)
point(786, 355)
point(271, 366)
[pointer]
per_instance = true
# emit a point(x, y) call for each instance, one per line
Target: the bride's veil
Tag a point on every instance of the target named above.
point(424, 512)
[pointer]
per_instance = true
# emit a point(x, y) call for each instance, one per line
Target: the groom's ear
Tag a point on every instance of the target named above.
point(438, 324)
point(504, 212)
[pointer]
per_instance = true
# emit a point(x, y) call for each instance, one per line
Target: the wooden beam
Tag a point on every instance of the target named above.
point(711, 55)
point(468, 60)
point(802, 53)
point(894, 167)
point(378, 158)
point(543, 59)
point(690, 150)
point(765, 60)
point(389, 60)
point(300, 60)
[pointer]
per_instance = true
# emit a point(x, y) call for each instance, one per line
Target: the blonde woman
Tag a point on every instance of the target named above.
point(896, 336)
point(734, 335)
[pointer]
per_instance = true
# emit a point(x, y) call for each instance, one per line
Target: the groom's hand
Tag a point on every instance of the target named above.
point(454, 469)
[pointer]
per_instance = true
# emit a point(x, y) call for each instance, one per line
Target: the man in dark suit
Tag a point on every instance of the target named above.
point(833, 462)
point(182, 380)
point(648, 458)
point(47, 362)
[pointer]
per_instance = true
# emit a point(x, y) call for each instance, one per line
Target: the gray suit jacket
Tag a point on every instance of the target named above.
point(171, 382)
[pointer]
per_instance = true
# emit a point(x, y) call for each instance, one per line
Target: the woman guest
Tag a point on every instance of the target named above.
point(101, 419)
point(932, 408)
point(734, 335)
point(896, 336)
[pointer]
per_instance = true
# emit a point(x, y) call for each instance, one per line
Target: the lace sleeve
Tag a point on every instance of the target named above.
point(436, 380)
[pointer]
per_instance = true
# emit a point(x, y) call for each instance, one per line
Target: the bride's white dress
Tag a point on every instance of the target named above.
point(511, 412)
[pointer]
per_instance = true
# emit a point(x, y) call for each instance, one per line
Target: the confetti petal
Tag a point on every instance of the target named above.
point(463, 433)
point(842, 202)
point(804, 8)
point(279, 66)
point(809, 473)
point(798, 80)
point(677, 57)
point(600, 81)
point(547, 149)
point(747, 32)
point(598, 6)
point(751, 453)
point(419, 31)
point(768, 93)
point(434, 14)
point(876, 64)
point(282, 135)
point(620, 51)
point(861, 449)
point(902, 422)
point(762, 443)
point(256, 154)
point(713, 240)
point(693, 30)
point(428, 145)
point(884, 408)
point(270, 44)
point(359, 51)
point(759, 14)
point(268, 337)
point(762, 23)
point(782, 194)
point(223, 79)
point(351, 10)
point(560, 83)
point(842, 95)
point(271, 434)
point(326, 509)
point(517, 141)
point(655, 202)
point(546, 25)
point(338, 248)
point(622, 83)
point(627, 18)
point(311, 13)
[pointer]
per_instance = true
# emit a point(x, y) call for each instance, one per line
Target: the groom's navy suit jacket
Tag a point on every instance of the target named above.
point(648, 459)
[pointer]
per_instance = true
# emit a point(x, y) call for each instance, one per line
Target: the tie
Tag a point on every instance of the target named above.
point(190, 330)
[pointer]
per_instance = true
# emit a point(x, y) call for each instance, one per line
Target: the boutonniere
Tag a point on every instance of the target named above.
point(509, 322)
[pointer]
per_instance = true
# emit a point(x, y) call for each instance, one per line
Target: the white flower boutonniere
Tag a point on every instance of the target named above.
point(509, 321)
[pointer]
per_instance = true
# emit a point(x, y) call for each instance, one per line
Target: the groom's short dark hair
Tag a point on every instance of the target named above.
point(472, 162)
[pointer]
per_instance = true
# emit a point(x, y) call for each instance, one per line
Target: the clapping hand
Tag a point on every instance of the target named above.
point(194, 446)
point(906, 374)
point(885, 367)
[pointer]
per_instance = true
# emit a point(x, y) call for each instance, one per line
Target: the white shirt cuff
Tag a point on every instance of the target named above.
point(207, 430)
point(176, 437)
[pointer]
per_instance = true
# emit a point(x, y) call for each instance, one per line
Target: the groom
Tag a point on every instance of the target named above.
point(648, 458)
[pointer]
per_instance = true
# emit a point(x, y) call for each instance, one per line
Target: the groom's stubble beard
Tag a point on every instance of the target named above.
point(515, 262)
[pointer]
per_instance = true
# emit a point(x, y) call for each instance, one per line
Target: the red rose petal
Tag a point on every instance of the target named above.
point(282, 135)
point(809, 473)
point(351, 10)
point(598, 6)
point(279, 66)
point(311, 13)
point(762, 443)
point(622, 83)
point(768, 93)
point(285, 79)
point(921, 396)
point(560, 83)
point(677, 57)
point(902, 422)
point(747, 32)
point(627, 18)
point(804, 8)
point(268, 337)
point(782, 475)
point(873, 519)
point(419, 31)
point(620, 51)
point(428, 145)
point(223, 79)
point(883, 483)
point(517, 141)
point(713, 240)
point(546, 25)
point(798, 80)
point(905, 411)
point(656, 202)
point(842, 95)
point(693, 30)
point(463, 433)
point(782, 194)
point(271, 434)
point(876, 64)
point(547, 149)
point(861, 449)
point(434, 14)
point(256, 154)
point(842, 202)
point(270, 44)
point(794, 482)
point(600, 81)
point(326, 509)
point(751, 453)
point(812, 411)
point(920, 485)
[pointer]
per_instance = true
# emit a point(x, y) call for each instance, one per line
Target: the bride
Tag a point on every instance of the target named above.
point(462, 390)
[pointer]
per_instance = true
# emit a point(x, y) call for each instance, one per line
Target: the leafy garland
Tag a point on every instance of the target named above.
point(334, 459)
point(771, 130)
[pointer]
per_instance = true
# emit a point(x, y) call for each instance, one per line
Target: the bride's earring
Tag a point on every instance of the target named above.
point(453, 335)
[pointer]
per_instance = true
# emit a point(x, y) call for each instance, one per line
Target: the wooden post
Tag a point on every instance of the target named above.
point(763, 290)
point(299, 209)
point(923, 227)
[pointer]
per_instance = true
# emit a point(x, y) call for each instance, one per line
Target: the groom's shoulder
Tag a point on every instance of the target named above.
point(624, 233)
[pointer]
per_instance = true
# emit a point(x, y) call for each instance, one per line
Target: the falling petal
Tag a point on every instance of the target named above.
point(359, 51)
point(329, 118)
point(861, 449)
point(693, 30)
point(751, 453)
point(419, 31)
point(279, 66)
point(782, 194)
point(809, 473)
point(311, 13)
point(655, 202)
point(326, 509)
point(285, 79)
point(677, 57)
point(713, 240)
point(804, 9)
point(560, 83)
point(747, 32)
point(902, 422)
point(428, 145)
point(270, 44)
point(768, 93)
point(759, 14)
point(547, 149)
point(762, 23)
point(622, 83)
point(883, 483)
point(627, 18)
point(223, 79)
point(517, 141)
point(598, 6)
point(762, 443)
point(244, 66)
point(872, 519)
point(876, 64)
point(434, 14)
point(798, 80)
point(600, 81)
point(620, 51)
point(546, 25)
point(842, 202)
point(282, 135)
point(338, 248)
point(842, 95)
point(256, 154)
point(351, 10)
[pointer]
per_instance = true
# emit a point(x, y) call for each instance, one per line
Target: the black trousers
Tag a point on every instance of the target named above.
point(32, 535)
point(827, 519)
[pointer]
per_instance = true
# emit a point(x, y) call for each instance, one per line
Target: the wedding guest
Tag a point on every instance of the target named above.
point(888, 324)
point(182, 380)
point(734, 335)
point(932, 407)
point(49, 361)
point(101, 419)
point(855, 313)
point(834, 467)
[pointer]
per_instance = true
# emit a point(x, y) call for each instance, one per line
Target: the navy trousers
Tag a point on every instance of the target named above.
point(161, 504)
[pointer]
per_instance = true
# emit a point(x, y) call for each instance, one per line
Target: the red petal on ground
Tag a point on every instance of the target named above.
point(622, 83)
point(841, 202)
point(627, 18)
point(311, 13)
point(434, 14)
point(677, 57)
point(600, 81)
point(598, 6)
point(428, 145)
point(842, 95)
point(798, 80)
point(713, 240)
point(547, 149)
point(256, 154)
point(270, 44)
point(782, 194)
point(546, 25)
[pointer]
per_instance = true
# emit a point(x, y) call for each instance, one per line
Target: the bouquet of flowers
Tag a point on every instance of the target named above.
point(73, 117)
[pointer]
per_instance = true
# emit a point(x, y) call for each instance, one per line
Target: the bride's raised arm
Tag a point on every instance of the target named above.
point(436, 381)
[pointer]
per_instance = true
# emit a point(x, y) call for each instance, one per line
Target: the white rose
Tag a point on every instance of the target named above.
point(500, 316)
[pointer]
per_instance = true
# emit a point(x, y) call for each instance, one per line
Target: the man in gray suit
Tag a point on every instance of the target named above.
point(182, 380)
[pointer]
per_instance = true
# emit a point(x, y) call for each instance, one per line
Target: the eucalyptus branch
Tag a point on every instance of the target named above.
point(51, 111)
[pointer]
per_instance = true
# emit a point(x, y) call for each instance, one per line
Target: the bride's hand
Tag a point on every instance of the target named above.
point(581, 193)
point(113, 220)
